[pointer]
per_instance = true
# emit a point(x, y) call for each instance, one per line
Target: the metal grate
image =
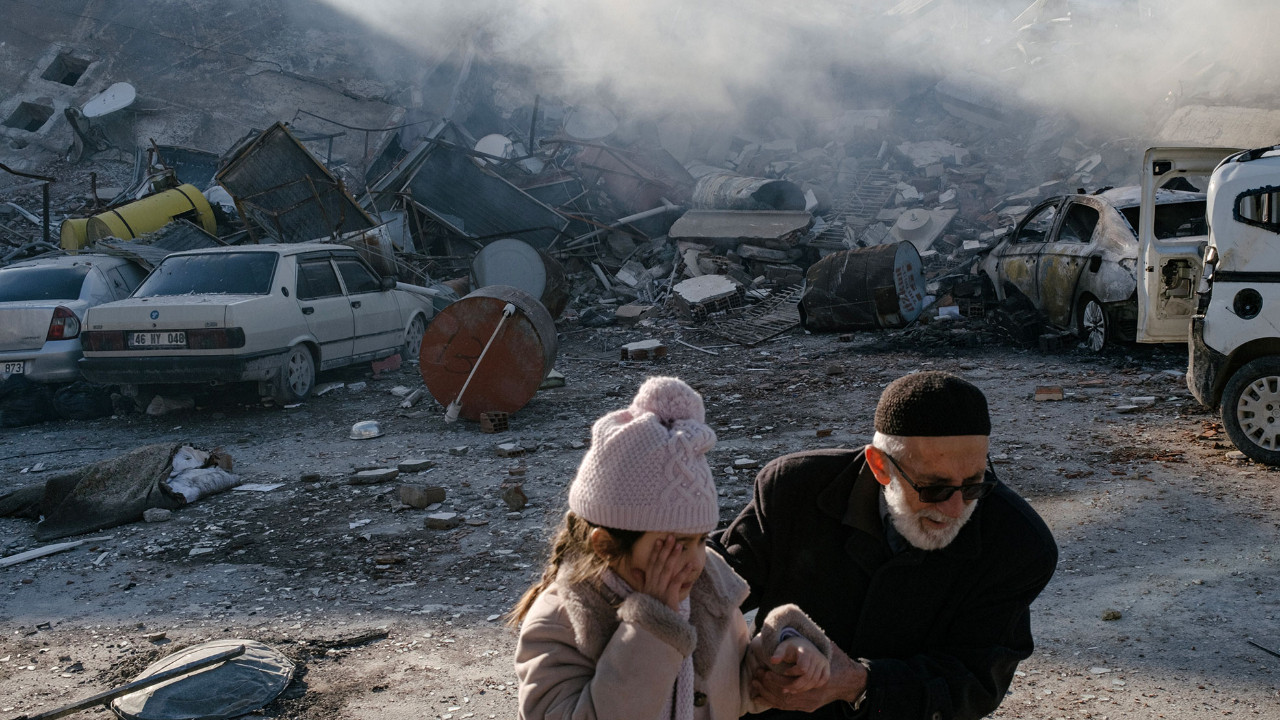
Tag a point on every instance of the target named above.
point(765, 320)
point(858, 209)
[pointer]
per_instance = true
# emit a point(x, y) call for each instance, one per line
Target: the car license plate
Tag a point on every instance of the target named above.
point(165, 339)
point(13, 368)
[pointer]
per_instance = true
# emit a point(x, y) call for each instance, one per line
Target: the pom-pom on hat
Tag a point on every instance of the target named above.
point(932, 404)
point(647, 467)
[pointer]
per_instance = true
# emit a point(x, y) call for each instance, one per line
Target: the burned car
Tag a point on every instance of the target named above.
point(275, 314)
point(42, 308)
point(1073, 258)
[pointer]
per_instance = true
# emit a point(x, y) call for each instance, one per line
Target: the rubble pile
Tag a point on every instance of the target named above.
point(632, 218)
point(608, 211)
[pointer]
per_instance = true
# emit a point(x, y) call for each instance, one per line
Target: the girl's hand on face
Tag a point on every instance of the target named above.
point(668, 569)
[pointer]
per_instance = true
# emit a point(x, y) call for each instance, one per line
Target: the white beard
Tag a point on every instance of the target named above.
point(911, 524)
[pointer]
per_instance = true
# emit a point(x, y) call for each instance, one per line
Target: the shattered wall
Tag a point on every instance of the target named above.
point(206, 74)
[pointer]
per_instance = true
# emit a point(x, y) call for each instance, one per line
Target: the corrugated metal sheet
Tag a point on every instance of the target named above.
point(636, 181)
point(281, 186)
point(151, 248)
point(478, 204)
point(191, 166)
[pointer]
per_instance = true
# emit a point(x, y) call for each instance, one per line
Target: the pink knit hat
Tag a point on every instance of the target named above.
point(647, 467)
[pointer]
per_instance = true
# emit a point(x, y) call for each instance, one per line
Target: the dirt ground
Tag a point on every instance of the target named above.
point(1168, 546)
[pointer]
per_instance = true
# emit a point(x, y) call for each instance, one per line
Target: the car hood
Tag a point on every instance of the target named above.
point(170, 312)
point(25, 324)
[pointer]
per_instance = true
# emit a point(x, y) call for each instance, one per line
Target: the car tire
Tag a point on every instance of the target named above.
point(1093, 324)
point(297, 376)
point(1251, 410)
point(413, 338)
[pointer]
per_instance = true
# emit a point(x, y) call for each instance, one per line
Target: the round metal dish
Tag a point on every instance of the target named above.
point(365, 430)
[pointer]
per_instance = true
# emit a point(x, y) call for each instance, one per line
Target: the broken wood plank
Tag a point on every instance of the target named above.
point(40, 552)
point(695, 347)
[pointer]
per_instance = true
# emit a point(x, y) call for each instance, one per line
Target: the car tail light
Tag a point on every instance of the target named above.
point(215, 339)
point(102, 340)
point(64, 325)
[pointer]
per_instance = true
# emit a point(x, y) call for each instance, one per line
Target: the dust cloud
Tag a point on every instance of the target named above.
point(1113, 64)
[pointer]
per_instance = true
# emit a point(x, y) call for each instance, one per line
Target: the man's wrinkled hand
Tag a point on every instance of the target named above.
point(797, 657)
point(780, 689)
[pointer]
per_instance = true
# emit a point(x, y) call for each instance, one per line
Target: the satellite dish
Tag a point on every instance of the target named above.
point(590, 122)
point(496, 145)
point(117, 97)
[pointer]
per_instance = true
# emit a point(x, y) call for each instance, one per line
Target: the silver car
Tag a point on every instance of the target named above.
point(1073, 258)
point(42, 308)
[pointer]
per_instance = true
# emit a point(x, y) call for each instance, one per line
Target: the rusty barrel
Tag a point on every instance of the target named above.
point(375, 246)
point(520, 265)
point(522, 353)
point(864, 289)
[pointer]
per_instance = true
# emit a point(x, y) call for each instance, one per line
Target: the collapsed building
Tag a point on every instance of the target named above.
point(608, 213)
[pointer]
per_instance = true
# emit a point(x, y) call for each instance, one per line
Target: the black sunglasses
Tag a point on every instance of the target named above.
point(943, 493)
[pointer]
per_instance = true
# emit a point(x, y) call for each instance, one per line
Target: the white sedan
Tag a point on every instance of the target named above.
point(274, 314)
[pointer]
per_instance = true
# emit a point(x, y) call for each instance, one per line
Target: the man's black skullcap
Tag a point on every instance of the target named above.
point(932, 404)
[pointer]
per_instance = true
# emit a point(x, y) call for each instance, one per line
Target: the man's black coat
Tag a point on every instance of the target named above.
point(943, 630)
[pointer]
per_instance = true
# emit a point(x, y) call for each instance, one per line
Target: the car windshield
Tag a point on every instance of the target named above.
point(246, 273)
point(41, 283)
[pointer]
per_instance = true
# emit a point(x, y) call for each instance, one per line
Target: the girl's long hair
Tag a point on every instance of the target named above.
point(572, 554)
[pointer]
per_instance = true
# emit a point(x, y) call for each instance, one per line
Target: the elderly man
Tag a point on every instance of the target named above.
point(909, 553)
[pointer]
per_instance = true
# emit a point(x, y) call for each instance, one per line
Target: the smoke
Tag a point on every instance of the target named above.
point(1111, 64)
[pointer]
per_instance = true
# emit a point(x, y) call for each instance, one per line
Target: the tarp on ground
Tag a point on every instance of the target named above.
point(104, 494)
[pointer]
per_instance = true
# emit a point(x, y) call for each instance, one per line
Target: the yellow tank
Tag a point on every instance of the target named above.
point(149, 214)
point(72, 234)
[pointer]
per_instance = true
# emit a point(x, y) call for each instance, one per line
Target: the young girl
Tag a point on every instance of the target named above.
point(633, 618)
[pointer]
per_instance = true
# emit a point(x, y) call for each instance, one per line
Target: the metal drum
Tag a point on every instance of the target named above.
point(521, 353)
point(520, 265)
point(375, 246)
point(722, 190)
point(864, 289)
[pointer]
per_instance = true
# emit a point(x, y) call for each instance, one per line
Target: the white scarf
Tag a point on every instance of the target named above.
point(680, 702)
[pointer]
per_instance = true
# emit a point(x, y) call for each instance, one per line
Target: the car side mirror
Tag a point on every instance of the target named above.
point(388, 283)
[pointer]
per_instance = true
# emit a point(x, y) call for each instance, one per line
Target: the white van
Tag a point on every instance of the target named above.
point(1234, 343)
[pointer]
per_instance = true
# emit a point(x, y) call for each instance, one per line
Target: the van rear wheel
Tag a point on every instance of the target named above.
point(1251, 410)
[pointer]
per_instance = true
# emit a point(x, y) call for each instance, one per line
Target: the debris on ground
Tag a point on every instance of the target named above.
point(120, 490)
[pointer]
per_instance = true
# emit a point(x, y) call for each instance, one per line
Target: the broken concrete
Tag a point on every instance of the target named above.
point(644, 350)
point(700, 296)
point(775, 229)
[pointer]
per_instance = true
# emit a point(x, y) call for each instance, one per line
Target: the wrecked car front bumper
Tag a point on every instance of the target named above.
point(181, 370)
point(1204, 366)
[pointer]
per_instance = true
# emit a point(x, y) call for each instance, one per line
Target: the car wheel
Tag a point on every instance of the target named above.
point(413, 338)
point(1093, 325)
point(1251, 410)
point(297, 376)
